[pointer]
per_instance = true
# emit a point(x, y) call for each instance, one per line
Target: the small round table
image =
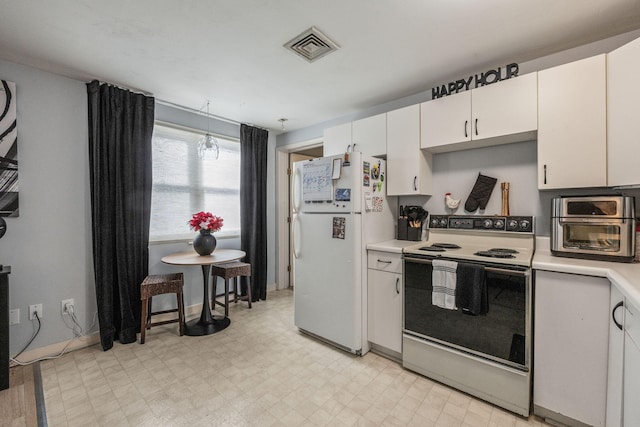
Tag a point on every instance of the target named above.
point(206, 324)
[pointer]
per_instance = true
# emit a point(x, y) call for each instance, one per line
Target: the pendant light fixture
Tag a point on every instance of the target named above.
point(208, 145)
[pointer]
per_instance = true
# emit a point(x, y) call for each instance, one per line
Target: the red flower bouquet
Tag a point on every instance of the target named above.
point(205, 221)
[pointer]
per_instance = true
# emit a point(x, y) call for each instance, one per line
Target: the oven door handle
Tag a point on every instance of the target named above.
point(489, 269)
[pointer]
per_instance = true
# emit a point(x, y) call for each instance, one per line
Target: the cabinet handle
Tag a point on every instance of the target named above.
point(386, 262)
point(545, 173)
point(466, 123)
point(349, 148)
point(415, 188)
point(397, 281)
point(476, 126)
point(613, 314)
point(354, 147)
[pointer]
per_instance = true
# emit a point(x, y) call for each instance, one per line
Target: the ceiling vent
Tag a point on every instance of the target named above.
point(311, 44)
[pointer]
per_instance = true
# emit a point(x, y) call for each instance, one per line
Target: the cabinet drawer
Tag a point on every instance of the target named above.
point(385, 261)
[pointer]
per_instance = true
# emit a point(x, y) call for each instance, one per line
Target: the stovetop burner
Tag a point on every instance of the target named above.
point(495, 254)
point(504, 250)
point(446, 245)
point(432, 248)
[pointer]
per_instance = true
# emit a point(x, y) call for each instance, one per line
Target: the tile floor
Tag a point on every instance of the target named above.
point(260, 371)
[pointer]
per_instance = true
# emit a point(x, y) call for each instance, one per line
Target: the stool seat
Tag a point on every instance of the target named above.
point(159, 284)
point(228, 271)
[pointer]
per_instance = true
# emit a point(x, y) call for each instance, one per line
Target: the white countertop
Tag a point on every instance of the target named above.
point(394, 246)
point(626, 276)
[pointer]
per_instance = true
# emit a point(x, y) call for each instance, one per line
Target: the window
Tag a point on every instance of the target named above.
point(184, 184)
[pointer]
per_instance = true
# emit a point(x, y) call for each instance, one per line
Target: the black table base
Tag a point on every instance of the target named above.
point(206, 324)
point(196, 328)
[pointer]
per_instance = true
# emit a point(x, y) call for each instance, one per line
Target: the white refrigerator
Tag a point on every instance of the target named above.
point(340, 206)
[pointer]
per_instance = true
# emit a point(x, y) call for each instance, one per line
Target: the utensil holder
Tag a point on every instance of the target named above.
point(403, 225)
point(406, 232)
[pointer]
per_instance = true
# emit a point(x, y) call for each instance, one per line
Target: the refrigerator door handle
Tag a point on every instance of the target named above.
point(296, 189)
point(296, 231)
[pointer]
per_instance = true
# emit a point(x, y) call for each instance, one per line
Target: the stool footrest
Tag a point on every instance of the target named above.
point(173, 310)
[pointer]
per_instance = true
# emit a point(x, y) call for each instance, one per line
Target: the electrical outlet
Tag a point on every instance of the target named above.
point(64, 304)
point(14, 316)
point(32, 311)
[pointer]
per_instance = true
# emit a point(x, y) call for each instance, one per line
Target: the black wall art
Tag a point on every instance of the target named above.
point(8, 150)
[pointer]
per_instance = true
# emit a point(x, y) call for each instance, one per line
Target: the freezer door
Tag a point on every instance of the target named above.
point(328, 278)
point(328, 184)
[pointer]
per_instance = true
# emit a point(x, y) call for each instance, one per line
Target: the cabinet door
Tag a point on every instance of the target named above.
point(370, 135)
point(623, 111)
point(408, 167)
point(572, 128)
point(631, 392)
point(616, 354)
point(445, 121)
point(505, 109)
point(571, 346)
point(385, 309)
point(336, 139)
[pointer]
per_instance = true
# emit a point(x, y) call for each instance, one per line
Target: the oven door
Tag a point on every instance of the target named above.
point(590, 236)
point(503, 334)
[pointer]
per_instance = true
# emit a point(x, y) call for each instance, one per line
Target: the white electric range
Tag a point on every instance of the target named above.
point(487, 353)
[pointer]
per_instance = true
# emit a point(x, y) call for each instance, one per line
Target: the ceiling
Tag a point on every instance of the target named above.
point(231, 52)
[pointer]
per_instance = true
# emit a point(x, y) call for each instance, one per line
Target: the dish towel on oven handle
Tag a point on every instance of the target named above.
point(471, 289)
point(443, 279)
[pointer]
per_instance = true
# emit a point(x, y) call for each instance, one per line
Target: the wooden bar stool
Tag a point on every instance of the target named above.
point(156, 285)
point(232, 270)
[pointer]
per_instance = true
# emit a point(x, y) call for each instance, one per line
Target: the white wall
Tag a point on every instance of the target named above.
point(49, 245)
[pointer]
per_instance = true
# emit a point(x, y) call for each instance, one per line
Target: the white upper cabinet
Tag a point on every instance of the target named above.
point(336, 140)
point(508, 109)
point(370, 135)
point(445, 122)
point(494, 114)
point(623, 115)
point(408, 167)
point(572, 125)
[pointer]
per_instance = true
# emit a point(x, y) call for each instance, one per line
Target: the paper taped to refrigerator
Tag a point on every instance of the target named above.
point(316, 180)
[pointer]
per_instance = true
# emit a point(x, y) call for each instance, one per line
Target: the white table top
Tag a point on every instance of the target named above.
point(218, 256)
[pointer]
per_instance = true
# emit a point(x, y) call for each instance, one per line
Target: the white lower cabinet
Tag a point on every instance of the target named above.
point(631, 378)
point(623, 387)
point(616, 358)
point(385, 302)
point(570, 347)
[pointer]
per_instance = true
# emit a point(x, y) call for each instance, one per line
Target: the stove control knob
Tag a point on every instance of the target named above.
point(434, 222)
point(498, 223)
point(512, 225)
point(487, 223)
point(443, 222)
point(525, 224)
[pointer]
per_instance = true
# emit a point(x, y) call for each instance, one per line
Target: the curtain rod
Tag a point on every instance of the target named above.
point(193, 110)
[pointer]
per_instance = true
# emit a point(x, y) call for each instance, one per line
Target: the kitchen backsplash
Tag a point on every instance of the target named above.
point(456, 173)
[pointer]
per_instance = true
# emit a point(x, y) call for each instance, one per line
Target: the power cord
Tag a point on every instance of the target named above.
point(13, 359)
point(78, 334)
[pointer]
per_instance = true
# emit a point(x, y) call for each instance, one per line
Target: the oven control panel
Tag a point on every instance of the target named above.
point(516, 224)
